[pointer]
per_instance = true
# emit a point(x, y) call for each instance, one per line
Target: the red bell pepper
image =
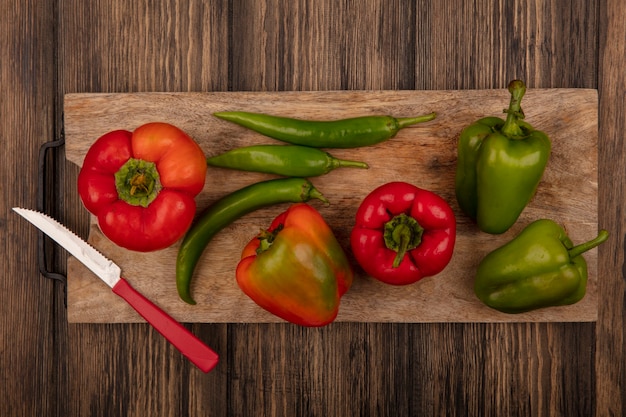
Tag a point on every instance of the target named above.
point(296, 269)
point(403, 233)
point(141, 185)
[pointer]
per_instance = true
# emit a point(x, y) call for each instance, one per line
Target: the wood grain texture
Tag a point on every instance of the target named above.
point(611, 327)
point(423, 154)
point(273, 369)
point(28, 305)
point(118, 46)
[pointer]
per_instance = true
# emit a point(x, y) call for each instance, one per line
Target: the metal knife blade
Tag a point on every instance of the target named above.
point(104, 268)
point(189, 345)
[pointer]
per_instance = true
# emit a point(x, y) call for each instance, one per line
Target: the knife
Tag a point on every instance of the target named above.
point(189, 345)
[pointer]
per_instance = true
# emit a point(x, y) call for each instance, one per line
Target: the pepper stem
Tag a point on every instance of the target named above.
point(511, 127)
point(311, 192)
point(584, 247)
point(266, 238)
point(408, 121)
point(402, 234)
point(138, 182)
point(344, 163)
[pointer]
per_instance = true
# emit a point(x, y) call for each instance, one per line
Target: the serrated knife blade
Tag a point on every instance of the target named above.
point(186, 342)
point(104, 268)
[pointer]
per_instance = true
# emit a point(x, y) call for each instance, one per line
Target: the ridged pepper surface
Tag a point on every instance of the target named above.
point(296, 269)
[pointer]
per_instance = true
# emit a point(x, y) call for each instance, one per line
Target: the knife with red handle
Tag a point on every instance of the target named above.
point(186, 342)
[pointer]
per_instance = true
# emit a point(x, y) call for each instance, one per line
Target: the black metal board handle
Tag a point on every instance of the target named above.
point(42, 192)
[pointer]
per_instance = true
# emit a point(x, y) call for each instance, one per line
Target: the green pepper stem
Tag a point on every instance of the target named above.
point(315, 193)
point(402, 233)
point(584, 247)
point(511, 127)
point(266, 238)
point(408, 121)
point(343, 163)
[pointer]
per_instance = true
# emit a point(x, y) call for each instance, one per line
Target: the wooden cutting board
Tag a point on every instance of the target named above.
point(424, 155)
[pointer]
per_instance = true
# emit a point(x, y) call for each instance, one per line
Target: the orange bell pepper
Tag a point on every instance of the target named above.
point(296, 269)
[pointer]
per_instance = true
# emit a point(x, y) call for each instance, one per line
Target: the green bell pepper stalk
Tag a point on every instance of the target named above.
point(499, 166)
point(538, 268)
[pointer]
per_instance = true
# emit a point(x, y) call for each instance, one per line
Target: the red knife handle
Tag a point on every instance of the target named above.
point(189, 345)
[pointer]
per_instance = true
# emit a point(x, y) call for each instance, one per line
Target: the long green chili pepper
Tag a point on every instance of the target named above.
point(344, 133)
point(286, 160)
point(228, 209)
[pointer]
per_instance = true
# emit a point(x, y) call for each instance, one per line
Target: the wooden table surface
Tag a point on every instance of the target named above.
point(51, 368)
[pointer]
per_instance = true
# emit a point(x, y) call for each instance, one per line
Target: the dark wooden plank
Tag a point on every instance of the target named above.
point(27, 105)
point(323, 45)
point(486, 44)
point(119, 46)
point(434, 369)
point(611, 326)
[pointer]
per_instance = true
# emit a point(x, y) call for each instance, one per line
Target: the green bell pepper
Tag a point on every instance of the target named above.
point(539, 268)
point(499, 166)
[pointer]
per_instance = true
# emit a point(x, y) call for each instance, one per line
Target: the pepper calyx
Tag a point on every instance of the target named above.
point(138, 182)
point(267, 237)
point(402, 233)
